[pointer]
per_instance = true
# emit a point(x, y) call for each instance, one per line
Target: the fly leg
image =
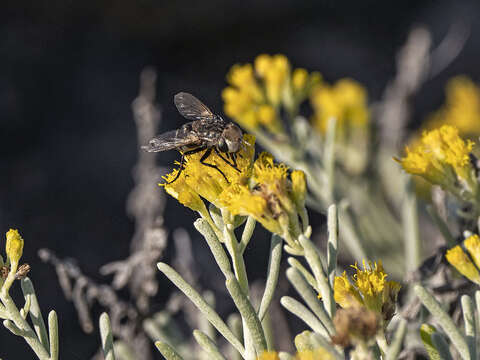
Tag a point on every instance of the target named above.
point(233, 156)
point(205, 157)
point(182, 161)
point(234, 159)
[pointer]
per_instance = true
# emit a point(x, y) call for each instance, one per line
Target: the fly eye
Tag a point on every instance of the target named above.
point(222, 146)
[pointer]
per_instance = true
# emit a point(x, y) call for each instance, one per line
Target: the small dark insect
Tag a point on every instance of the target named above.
point(206, 131)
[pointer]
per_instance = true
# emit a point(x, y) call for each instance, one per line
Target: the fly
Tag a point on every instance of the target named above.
point(206, 131)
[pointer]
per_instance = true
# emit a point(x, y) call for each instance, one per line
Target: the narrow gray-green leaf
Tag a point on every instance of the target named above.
point(444, 320)
point(441, 346)
point(272, 275)
point(305, 273)
point(470, 326)
point(167, 351)
point(35, 312)
point(208, 345)
point(202, 305)
point(247, 234)
point(426, 332)
point(313, 259)
point(234, 322)
point(299, 310)
point(215, 246)
point(306, 292)
point(107, 337)
point(53, 334)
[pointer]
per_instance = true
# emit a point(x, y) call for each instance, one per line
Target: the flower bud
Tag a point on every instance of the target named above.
point(14, 246)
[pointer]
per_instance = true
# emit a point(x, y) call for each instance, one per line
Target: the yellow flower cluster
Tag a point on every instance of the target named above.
point(256, 92)
point(272, 197)
point(316, 354)
point(346, 101)
point(369, 289)
point(261, 189)
point(463, 262)
point(442, 158)
point(198, 181)
point(461, 109)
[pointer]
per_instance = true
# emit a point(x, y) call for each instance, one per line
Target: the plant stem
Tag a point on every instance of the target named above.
point(410, 224)
point(248, 314)
point(332, 244)
point(397, 341)
point(241, 275)
point(329, 159)
point(382, 342)
point(29, 335)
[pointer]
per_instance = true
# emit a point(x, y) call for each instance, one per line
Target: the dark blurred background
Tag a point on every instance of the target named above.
point(69, 71)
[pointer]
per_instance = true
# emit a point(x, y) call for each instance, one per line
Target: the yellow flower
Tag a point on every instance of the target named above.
point(317, 354)
point(240, 200)
point(299, 79)
point(243, 78)
point(346, 101)
point(273, 182)
point(472, 244)
point(14, 247)
point(183, 193)
point(198, 180)
point(299, 188)
point(261, 189)
point(267, 116)
point(256, 93)
point(460, 261)
point(268, 197)
point(345, 294)
point(442, 158)
point(369, 289)
point(269, 355)
point(275, 71)
point(461, 109)
point(243, 96)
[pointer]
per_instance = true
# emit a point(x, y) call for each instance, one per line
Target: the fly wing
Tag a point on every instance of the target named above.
point(191, 108)
point(170, 140)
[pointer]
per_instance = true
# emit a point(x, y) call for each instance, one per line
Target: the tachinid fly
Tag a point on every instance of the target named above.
point(206, 131)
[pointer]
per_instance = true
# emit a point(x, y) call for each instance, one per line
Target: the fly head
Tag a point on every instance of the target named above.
point(232, 139)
